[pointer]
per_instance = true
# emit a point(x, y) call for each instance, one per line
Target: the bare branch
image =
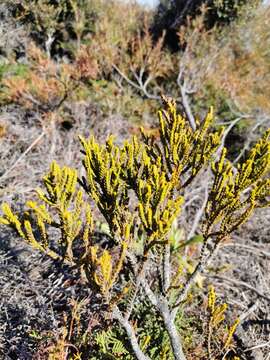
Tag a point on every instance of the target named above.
point(199, 214)
point(117, 315)
point(161, 304)
point(130, 82)
point(30, 147)
point(205, 259)
point(142, 85)
point(166, 268)
point(185, 102)
point(252, 249)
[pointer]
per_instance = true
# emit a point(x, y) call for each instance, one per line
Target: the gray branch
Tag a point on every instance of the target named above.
point(130, 333)
point(166, 268)
point(185, 100)
point(140, 85)
point(161, 304)
point(205, 259)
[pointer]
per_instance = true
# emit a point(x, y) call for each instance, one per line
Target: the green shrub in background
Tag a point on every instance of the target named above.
point(139, 190)
point(53, 23)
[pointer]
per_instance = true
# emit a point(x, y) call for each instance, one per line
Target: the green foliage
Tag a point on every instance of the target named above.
point(109, 346)
point(241, 69)
point(228, 10)
point(133, 69)
point(89, 36)
point(115, 100)
point(174, 13)
point(13, 69)
point(62, 26)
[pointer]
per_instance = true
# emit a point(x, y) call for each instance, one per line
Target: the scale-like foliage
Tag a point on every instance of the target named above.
point(219, 335)
point(61, 206)
point(236, 192)
point(182, 148)
point(138, 188)
point(104, 184)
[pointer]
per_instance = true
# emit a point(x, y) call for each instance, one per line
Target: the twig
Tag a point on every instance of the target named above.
point(248, 312)
point(247, 144)
point(182, 14)
point(48, 43)
point(226, 132)
point(241, 283)
point(141, 87)
point(130, 82)
point(183, 294)
point(186, 105)
point(190, 201)
point(139, 272)
point(199, 213)
point(259, 346)
point(203, 263)
point(252, 249)
point(30, 147)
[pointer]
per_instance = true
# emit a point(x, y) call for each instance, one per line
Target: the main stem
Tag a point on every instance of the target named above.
point(175, 339)
point(117, 315)
point(162, 306)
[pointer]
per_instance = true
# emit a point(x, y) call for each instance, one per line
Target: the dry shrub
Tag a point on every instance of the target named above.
point(117, 22)
point(148, 57)
point(122, 42)
point(242, 66)
point(197, 59)
point(47, 84)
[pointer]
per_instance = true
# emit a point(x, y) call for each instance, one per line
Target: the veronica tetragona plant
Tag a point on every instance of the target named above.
point(139, 188)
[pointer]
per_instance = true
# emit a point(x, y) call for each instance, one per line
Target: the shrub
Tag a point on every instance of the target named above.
point(139, 189)
point(62, 26)
point(172, 14)
point(241, 69)
point(108, 41)
point(44, 85)
point(51, 23)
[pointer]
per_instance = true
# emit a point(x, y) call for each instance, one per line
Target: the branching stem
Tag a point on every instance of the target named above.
point(166, 268)
point(162, 306)
point(117, 315)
